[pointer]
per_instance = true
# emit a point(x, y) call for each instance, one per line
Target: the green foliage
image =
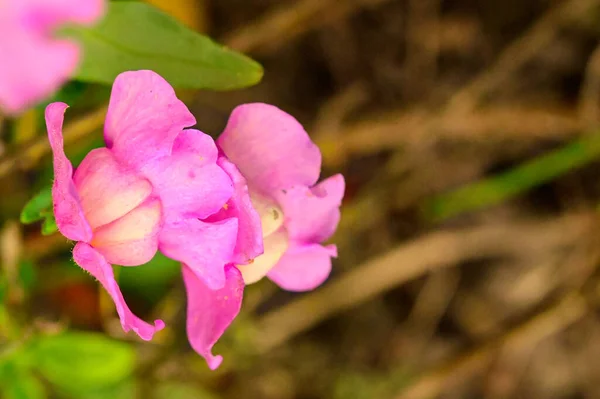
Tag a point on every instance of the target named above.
point(135, 36)
point(177, 390)
point(499, 188)
point(37, 208)
point(27, 275)
point(40, 208)
point(49, 225)
point(17, 382)
point(125, 390)
point(3, 289)
point(82, 362)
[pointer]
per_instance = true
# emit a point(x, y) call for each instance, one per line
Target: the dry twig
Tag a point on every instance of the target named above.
point(433, 251)
point(286, 23)
point(553, 320)
point(390, 131)
point(590, 91)
point(459, 112)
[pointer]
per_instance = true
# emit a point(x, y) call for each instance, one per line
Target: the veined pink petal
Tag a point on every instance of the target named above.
point(312, 214)
point(131, 240)
point(67, 208)
point(270, 148)
point(204, 247)
point(303, 267)
point(91, 261)
point(144, 118)
point(34, 63)
point(210, 312)
point(249, 242)
point(189, 182)
point(106, 190)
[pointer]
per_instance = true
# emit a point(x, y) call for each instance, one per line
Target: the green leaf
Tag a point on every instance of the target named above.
point(19, 383)
point(135, 36)
point(81, 361)
point(38, 207)
point(49, 226)
point(501, 187)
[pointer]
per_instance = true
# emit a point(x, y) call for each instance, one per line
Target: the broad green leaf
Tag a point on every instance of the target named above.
point(19, 383)
point(135, 36)
point(38, 207)
point(80, 362)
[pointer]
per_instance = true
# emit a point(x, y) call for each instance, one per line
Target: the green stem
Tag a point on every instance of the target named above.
point(496, 189)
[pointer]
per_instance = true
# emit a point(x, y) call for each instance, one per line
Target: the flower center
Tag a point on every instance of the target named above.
point(275, 239)
point(271, 216)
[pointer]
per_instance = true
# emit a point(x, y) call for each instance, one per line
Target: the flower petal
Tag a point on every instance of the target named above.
point(34, 64)
point(312, 214)
point(36, 68)
point(249, 242)
point(303, 267)
point(46, 14)
point(91, 261)
point(192, 141)
point(189, 182)
point(270, 148)
point(204, 247)
point(210, 312)
point(131, 240)
point(144, 117)
point(107, 191)
point(67, 208)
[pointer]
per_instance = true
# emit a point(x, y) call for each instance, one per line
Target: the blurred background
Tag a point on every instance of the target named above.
point(469, 135)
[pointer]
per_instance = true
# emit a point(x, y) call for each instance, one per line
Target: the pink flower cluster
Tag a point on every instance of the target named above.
point(232, 212)
point(34, 62)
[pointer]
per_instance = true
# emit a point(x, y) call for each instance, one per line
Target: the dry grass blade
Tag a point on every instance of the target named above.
point(544, 325)
point(518, 54)
point(411, 260)
point(284, 24)
point(590, 90)
point(395, 129)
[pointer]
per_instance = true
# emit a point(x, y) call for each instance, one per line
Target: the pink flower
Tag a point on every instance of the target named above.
point(274, 166)
point(34, 62)
point(151, 188)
